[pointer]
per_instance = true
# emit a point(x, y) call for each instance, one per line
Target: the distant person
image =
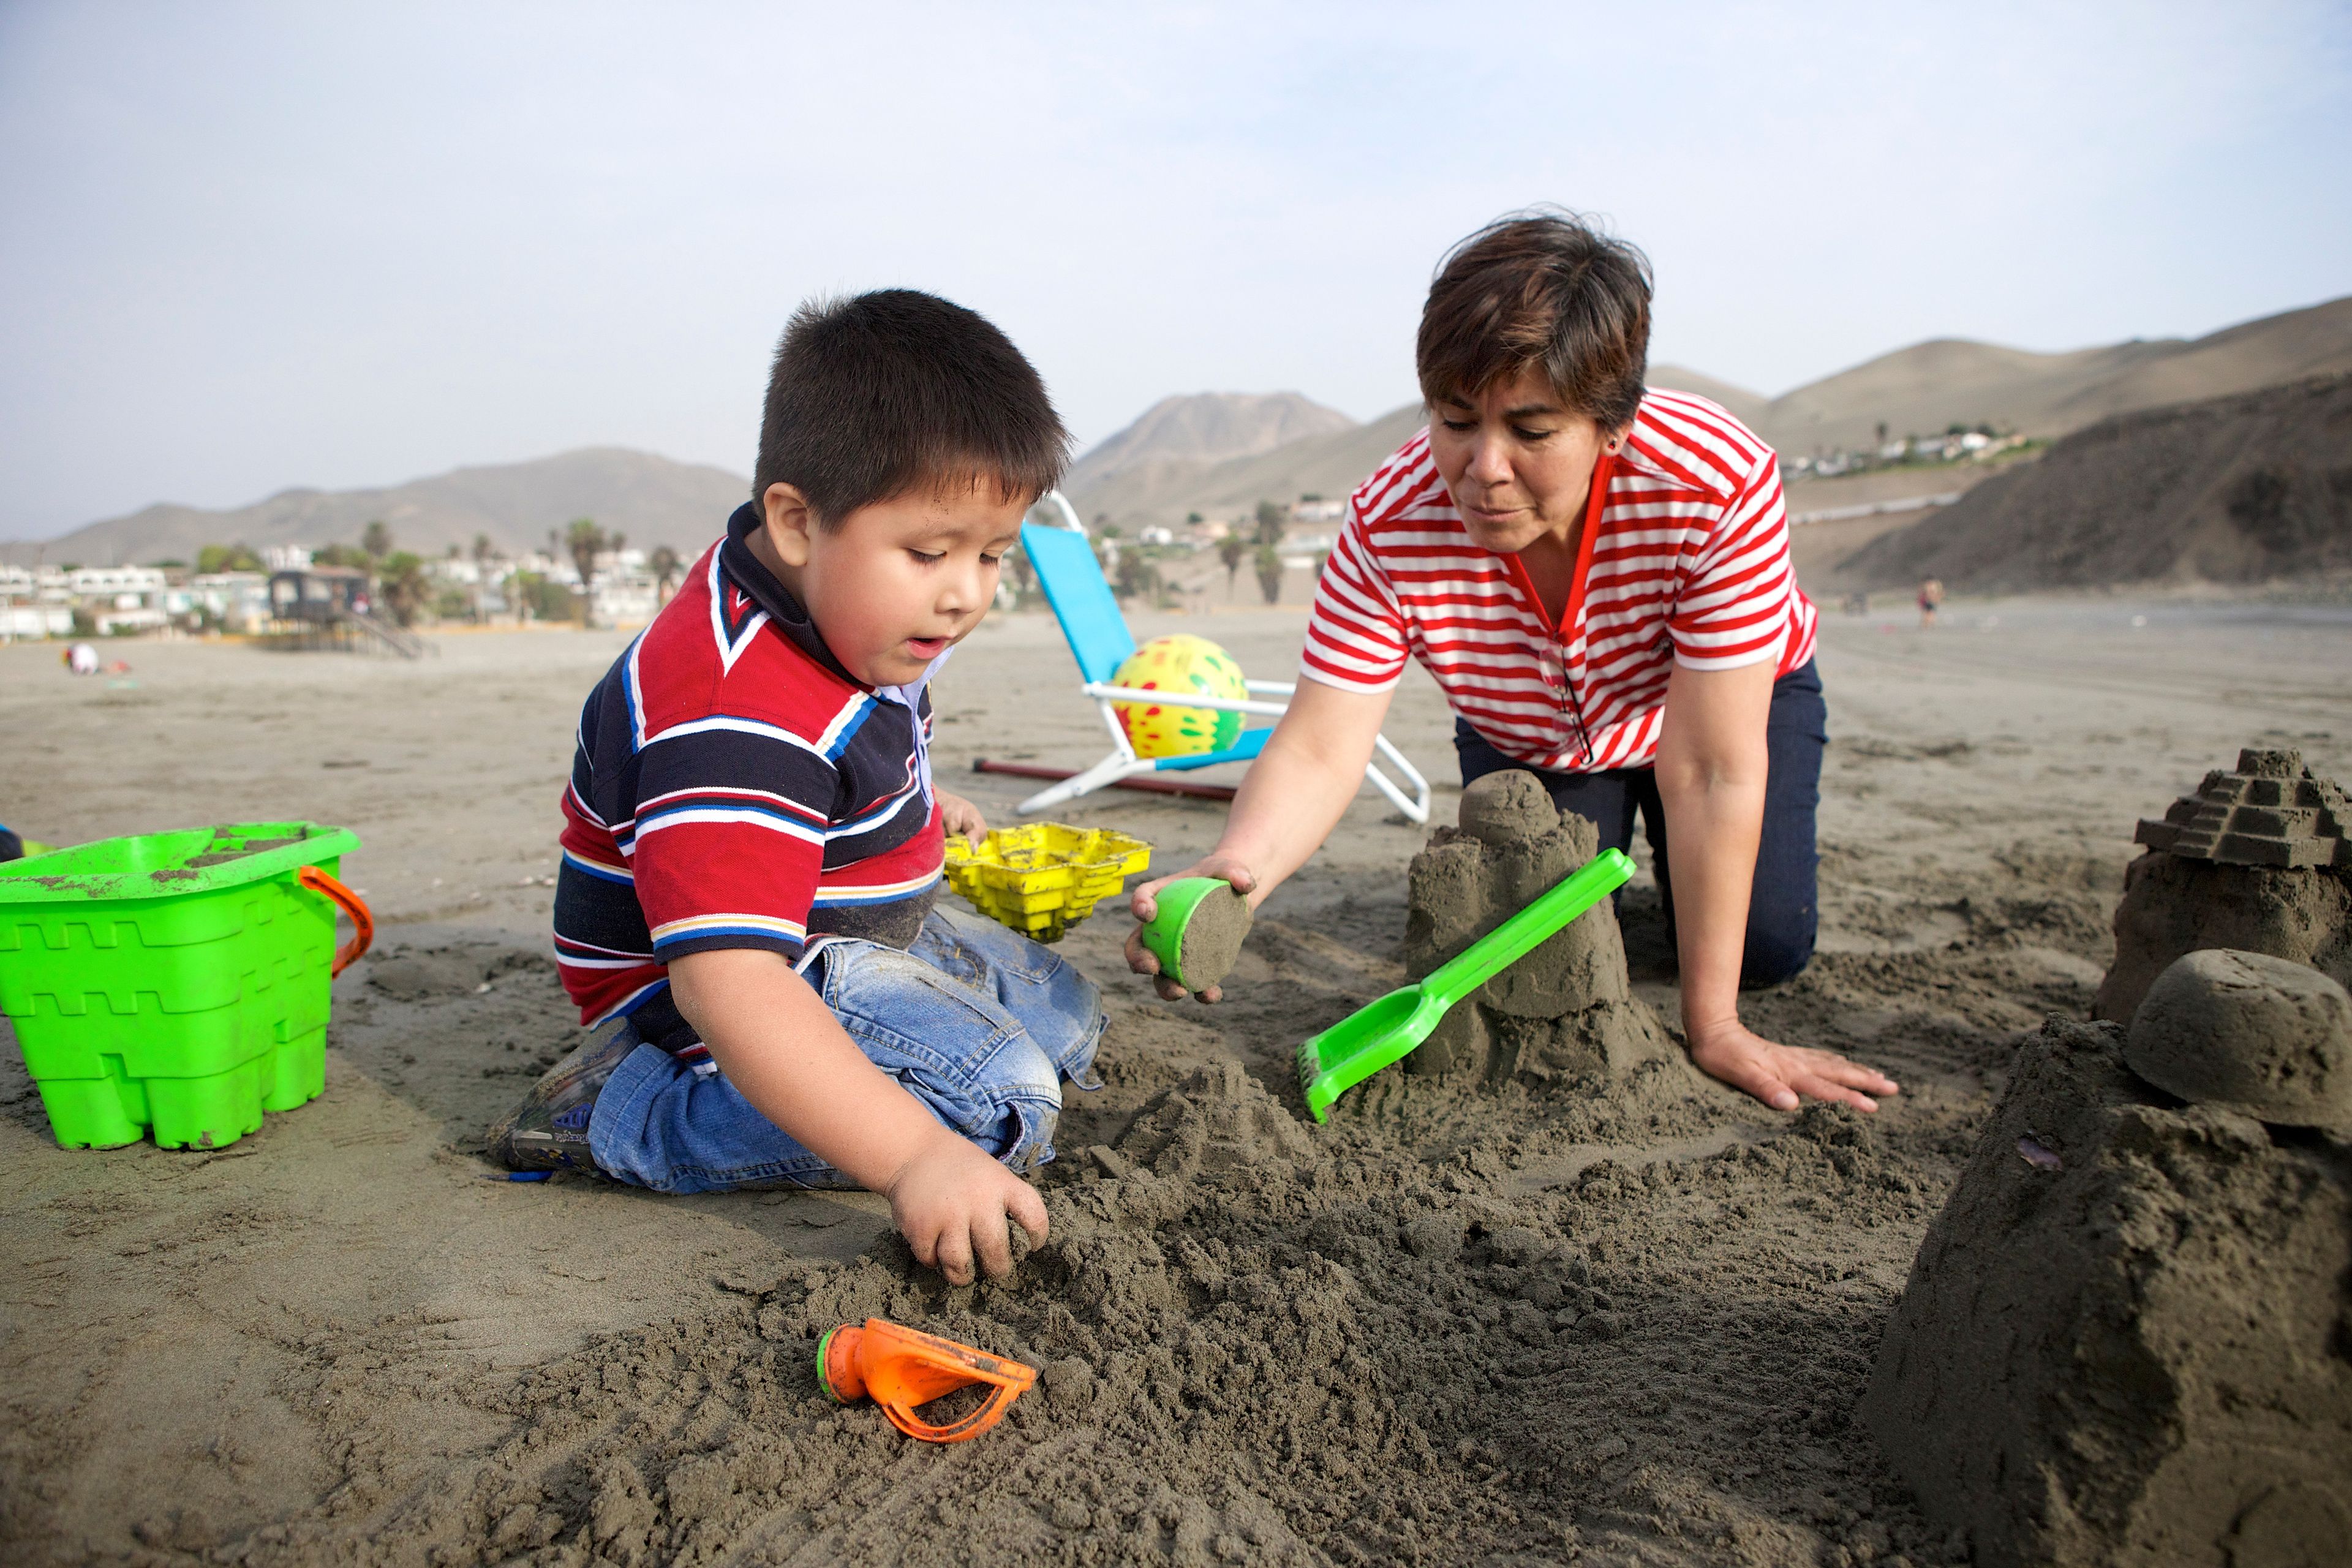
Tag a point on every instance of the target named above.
point(1598, 580)
point(81, 658)
point(1931, 593)
point(753, 841)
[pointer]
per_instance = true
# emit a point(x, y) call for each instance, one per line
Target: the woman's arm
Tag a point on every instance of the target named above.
point(1710, 770)
point(1288, 805)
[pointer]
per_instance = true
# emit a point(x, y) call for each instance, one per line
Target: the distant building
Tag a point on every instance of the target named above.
point(33, 603)
point(237, 601)
point(122, 598)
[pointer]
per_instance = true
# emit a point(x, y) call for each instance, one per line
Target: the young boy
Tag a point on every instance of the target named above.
point(752, 845)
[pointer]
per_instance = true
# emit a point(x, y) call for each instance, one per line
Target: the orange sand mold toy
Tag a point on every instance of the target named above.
point(902, 1368)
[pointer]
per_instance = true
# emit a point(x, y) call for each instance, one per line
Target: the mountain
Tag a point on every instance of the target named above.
point(1161, 482)
point(1163, 491)
point(652, 500)
point(1931, 387)
point(2241, 489)
point(1202, 428)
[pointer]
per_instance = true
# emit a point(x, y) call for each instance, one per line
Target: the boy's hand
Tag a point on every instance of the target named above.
point(951, 1201)
point(959, 815)
point(1145, 904)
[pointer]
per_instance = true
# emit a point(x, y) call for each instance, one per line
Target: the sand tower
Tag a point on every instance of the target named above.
point(1567, 1008)
point(2256, 859)
point(2129, 1336)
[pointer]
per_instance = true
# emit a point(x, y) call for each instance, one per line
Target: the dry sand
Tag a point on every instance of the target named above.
point(1462, 1324)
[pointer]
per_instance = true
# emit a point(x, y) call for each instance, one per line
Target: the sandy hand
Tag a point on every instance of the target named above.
point(959, 817)
point(1146, 904)
point(1778, 1075)
point(952, 1203)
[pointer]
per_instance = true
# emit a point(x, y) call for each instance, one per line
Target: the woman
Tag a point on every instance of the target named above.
point(1598, 580)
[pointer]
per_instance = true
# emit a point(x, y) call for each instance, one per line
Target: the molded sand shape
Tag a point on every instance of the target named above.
point(2250, 1033)
point(2272, 811)
point(1196, 931)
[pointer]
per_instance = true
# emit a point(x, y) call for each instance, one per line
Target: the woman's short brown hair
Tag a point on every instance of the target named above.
point(1546, 290)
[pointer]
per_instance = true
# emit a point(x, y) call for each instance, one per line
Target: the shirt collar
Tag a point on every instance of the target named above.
point(761, 586)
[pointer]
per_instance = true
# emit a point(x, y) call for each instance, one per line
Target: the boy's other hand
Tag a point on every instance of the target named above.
point(952, 1201)
point(959, 815)
point(1146, 904)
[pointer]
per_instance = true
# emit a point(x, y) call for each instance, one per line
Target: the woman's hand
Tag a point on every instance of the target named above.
point(959, 815)
point(1778, 1075)
point(1146, 904)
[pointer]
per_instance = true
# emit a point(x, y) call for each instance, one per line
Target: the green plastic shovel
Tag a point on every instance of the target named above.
point(1369, 1039)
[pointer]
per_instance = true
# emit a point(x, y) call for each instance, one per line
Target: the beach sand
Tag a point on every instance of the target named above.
point(1464, 1323)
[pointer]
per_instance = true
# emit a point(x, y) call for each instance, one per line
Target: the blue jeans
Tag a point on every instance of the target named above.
point(1784, 910)
point(978, 1022)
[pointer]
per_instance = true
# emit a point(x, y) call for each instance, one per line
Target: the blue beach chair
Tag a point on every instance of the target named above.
point(1100, 642)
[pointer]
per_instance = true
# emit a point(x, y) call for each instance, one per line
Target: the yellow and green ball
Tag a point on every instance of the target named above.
point(1178, 663)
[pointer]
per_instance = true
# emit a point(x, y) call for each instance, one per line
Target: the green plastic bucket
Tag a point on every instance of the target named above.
point(175, 981)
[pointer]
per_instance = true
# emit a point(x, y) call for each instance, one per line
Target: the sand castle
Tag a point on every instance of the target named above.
point(1565, 1008)
point(2256, 859)
point(2125, 1337)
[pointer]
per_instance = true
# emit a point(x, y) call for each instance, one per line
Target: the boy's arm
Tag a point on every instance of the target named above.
point(778, 1043)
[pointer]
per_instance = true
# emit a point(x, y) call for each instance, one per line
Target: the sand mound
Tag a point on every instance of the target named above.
point(2123, 1340)
point(1257, 1344)
point(2233, 489)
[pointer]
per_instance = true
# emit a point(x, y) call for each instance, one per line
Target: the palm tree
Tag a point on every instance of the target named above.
point(665, 565)
point(1230, 550)
point(1271, 517)
point(585, 541)
point(1269, 573)
point(403, 586)
point(483, 553)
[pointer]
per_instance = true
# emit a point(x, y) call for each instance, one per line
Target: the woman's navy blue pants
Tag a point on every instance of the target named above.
point(1782, 909)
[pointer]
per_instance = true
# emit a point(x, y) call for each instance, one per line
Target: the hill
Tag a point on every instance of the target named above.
point(1931, 387)
point(2242, 489)
point(652, 500)
point(1750, 408)
point(1202, 428)
point(1163, 491)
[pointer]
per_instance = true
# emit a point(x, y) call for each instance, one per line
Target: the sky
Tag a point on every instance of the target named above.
point(249, 246)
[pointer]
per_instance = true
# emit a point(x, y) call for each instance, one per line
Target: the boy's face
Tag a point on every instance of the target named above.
point(897, 582)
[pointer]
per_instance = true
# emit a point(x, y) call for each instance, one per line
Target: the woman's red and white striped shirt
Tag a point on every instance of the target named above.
point(1683, 559)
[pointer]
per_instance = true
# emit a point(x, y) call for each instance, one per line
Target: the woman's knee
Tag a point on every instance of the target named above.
point(1775, 953)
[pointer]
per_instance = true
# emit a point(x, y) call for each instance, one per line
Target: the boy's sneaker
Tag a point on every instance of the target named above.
point(549, 1130)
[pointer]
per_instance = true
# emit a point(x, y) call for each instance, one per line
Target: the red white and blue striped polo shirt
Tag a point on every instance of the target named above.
point(1683, 559)
point(735, 786)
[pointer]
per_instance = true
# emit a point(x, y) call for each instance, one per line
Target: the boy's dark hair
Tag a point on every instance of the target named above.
point(872, 396)
point(1543, 290)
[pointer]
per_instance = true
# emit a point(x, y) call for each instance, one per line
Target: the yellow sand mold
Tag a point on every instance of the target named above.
point(1043, 877)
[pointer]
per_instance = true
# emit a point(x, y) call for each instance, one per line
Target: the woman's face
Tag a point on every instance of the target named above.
point(1517, 464)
